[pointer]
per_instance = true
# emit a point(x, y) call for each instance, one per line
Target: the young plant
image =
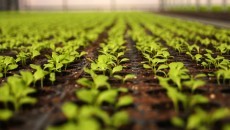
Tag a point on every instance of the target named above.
point(201, 119)
point(153, 63)
point(194, 82)
point(39, 74)
point(125, 78)
point(98, 80)
point(97, 98)
point(55, 63)
point(178, 72)
point(103, 63)
point(90, 118)
point(177, 97)
point(16, 91)
point(224, 73)
point(7, 63)
point(22, 56)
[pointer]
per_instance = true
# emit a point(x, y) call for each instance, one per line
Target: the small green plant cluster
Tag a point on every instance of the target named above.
point(16, 92)
point(7, 63)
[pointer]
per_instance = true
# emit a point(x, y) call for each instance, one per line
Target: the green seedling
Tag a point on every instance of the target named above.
point(177, 72)
point(55, 63)
point(178, 97)
point(52, 77)
point(22, 57)
point(213, 61)
point(39, 74)
point(103, 63)
point(96, 98)
point(69, 57)
point(7, 63)
point(16, 91)
point(86, 117)
point(201, 119)
point(98, 80)
point(225, 74)
point(154, 63)
point(125, 78)
point(194, 82)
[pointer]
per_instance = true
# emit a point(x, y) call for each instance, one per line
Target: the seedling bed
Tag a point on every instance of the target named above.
point(164, 57)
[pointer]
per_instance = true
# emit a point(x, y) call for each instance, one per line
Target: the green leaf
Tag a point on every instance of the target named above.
point(120, 118)
point(85, 82)
point(87, 96)
point(70, 110)
point(27, 77)
point(33, 66)
point(120, 54)
point(163, 66)
point(35, 53)
point(5, 115)
point(177, 122)
point(124, 60)
point(118, 77)
point(87, 124)
point(146, 66)
point(52, 77)
point(108, 96)
point(123, 90)
point(200, 76)
point(27, 100)
point(101, 81)
point(117, 69)
point(220, 114)
point(124, 101)
point(11, 67)
point(83, 53)
point(197, 99)
point(129, 76)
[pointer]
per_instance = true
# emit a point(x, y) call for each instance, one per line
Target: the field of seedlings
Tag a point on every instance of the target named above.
point(112, 71)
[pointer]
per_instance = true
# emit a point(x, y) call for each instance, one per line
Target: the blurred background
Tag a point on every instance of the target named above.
point(150, 5)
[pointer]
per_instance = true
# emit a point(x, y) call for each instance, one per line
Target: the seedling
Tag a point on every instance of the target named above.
point(103, 63)
point(7, 63)
point(16, 91)
point(39, 74)
point(177, 72)
point(55, 63)
point(194, 82)
point(225, 74)
point(125, 78)
point(22, 56)
point(178, 97)
point(201, 119)
point(153, 63)
point(52, 77)
point(98, 80)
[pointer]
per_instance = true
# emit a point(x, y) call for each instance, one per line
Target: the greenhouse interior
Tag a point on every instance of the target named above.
point(114, 65)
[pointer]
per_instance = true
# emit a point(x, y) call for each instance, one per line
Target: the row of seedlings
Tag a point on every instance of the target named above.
point(175, 78)
point(102, 103)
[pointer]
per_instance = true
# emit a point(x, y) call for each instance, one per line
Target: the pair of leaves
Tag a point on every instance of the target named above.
point(95, 97)
point(125, 78)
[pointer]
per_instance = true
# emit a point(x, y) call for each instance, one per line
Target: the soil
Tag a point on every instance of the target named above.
point(152, 109)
